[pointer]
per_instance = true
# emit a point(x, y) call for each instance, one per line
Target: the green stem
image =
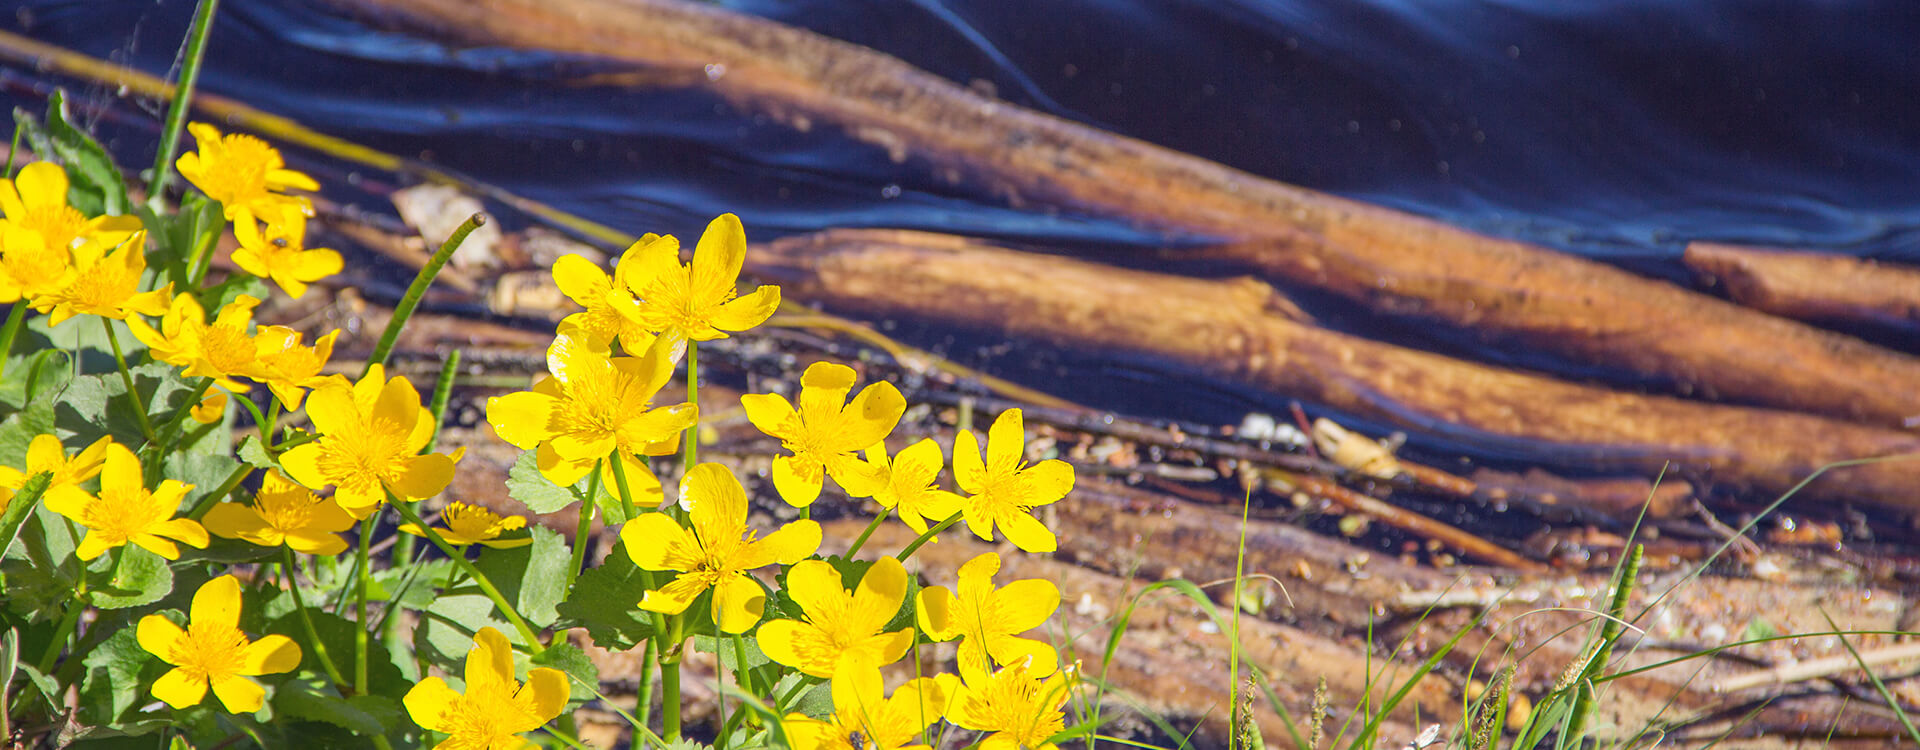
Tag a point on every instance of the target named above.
point(14, 149)
point(62, 634)
point(233, 480)
point(170, 431)
point(620, 483)
point(585, 527)
point(15, 318)
point(306, 618)
point(862, 541)
point(259, 419)
point(360, 604)
point(133, 394)
point(693, 397)
point(183, 93)
point(486, 585)
point(670, 701)
point(644, 693)
point(404, 310)
point(924, 538)
point(442, 393)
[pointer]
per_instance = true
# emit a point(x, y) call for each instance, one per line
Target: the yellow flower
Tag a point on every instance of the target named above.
point(106, 284)
point(611, 311)
point(37, 200)
point(862, 720)
point(717, 553)
point(986, 619)
point(288, 368)
point(244, 173)
point(826, 432)
point(284, 513)
point(1023, 712)
point(496, 708)
point(126, 511)
point(1004, 493)
point(30, 267)
point(372, 435)
point(470, 524)
point(211, 408)
point(280, 253)
point(592, 406)
point(46, 454)
point(839, 624)
point(696, 301)
point(221, 350)
point(212, 651)
point(908, 486)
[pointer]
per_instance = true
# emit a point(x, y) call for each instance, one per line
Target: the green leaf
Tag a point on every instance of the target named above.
point(204, 471)
point(311, 701)
point(570, 659)
point(115, 673)
point(97, 186)
point(336, 633)
point(141, 579)
point(444, 634)
point(255, 454)
point(526, 484)
point(20, 507)
point(424, 590)
point(533, 578)
point(605, 601)
point(34, 374)
point(19, 428)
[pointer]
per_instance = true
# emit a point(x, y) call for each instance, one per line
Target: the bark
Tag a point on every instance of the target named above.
point(1223, 329)
point(1393, 262)
point(1813, 286)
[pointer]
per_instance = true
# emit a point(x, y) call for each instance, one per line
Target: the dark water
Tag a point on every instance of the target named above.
point(1618, 130)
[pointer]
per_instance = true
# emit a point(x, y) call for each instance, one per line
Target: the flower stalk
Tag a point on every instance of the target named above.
point(182, 97)
point(418, 289)
point(460, 561)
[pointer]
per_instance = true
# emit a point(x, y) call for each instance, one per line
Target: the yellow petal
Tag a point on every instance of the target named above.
point(718, 504)
point(580, 279)
point(655, 542)
point(178, 690)
point(771, 413)
point(792, 543)
point(934, 609)
point(506, 542)
point(45, 453)
point(42, 184)
point(1046, 482)
point(738, 602)
point(235, 521)
point(880, 594)
point(95, 544)
point(490, 661)
point(747, 310)
point(857, 689)
point(424, 476)
point(817, 588)
point(183, 530)
point(314, 542)
point(67, 500)
point(798, 479)
point(873, 414)
point(272, 654)
point(717, 258)
point(149, 542)
point(238, 694)
point(674, 597)
point(1039, 658)
point(1027, 533)
point(1025, 604)
point(158, 635)
point(334, 412)
point(550, 693)
point(921, 700)
point(968, 470)
point(560, 470)
point(217, 603)
point(428, 701)
point(1006, 441)
point(211, 408)
point(804, 733)
point(786, 641)
point(122, 471)
point(302, 463)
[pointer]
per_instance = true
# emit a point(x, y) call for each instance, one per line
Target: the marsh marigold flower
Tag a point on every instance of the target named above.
point(496, 709)
point(213, 652)
point(839, 624)
point(30, 268)
point(696, 301)
point(221, 350)
point(371, 437)
point(289, 369)
point(863, 719)
point(1003, 492)
point(593, 406)
point(611, 310)
point(125, 511)
point(210, 408)
point(826, 432)
point(283, 513)
point(106, 284)
point(37, 200)
point(279, 252)
point(472, 524)
point(987, 620)
point(1022, 712)
point(46, 454)
point(717, 553)
point(907, 484)
point(245, 174)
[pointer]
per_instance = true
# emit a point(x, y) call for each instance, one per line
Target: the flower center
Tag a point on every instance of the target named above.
point(122, 512)
point(38, 268)
point(209, 651)
point(471, 522)
point(228, 348)
point(61, 226)
point(287, 511)
point(241, 172)
point(103, 287)
point(376, 457)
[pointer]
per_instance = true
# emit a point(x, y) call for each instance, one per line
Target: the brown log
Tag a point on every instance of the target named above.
point(1812, 286)
point(1394, 262)
point(1222, 329)
point(1618, 498)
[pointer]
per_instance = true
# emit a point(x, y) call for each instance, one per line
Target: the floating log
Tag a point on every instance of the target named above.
point(1222, 329)
point(1813, 286)
point(1393, 262)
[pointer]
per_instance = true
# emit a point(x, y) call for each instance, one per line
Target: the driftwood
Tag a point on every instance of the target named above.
point(1393, 262)
point(1813, 286)
point(1223, 329)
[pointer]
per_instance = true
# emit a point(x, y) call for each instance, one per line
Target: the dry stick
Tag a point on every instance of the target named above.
point(1817, 668)
point(1222, 329)
point(1411, 522)
point(1813, 286)
point(1395, 263)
